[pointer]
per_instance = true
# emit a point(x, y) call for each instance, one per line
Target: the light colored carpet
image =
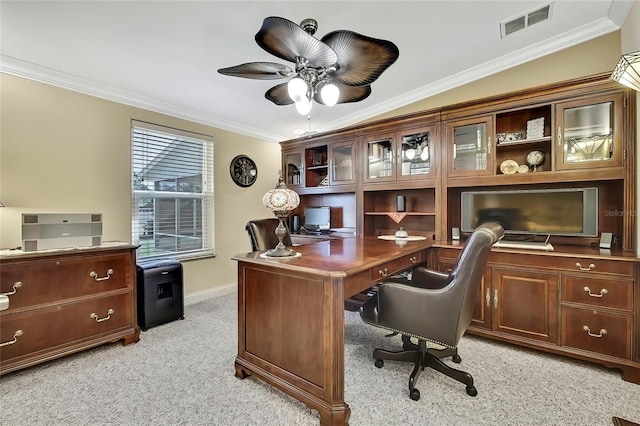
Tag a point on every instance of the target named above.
point(182, 373)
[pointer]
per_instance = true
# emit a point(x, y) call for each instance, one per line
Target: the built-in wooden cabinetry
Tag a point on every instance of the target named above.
point(61, 302)
point(578, 300)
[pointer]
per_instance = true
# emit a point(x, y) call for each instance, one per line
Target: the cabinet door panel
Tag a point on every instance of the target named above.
point(524, 303)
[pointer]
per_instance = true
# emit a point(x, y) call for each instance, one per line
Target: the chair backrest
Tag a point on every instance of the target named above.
point(466, 276)
point(262, 234)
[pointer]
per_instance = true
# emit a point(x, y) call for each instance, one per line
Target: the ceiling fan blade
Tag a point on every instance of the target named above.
point(279, 95)
point(287, 40)
point(348, 94)
point(361, 59)
point(258, 71)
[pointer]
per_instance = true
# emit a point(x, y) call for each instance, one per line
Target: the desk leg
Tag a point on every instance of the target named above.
point(291, 335)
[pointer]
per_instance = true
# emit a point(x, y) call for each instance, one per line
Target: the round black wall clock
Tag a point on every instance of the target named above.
point(244, 171)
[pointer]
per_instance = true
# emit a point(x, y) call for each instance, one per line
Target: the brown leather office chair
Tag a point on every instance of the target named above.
point(433, 307)
point(262, 234)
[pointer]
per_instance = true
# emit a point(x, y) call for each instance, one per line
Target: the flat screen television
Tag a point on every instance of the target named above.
point(317, 219)
point(566, 211)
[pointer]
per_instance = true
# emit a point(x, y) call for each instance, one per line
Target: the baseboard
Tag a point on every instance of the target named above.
point(199, 296)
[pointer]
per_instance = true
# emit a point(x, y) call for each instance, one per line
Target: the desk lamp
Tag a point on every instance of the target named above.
point(281, 201)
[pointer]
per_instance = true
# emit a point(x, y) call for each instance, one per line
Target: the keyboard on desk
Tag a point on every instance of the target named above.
point(532, 245)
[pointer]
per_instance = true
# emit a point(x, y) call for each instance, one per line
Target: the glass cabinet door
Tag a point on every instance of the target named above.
point(341, 159)
point(470, 147)
point(380, 159)
point(293, 173)
point(416, 156)
point(588, 133)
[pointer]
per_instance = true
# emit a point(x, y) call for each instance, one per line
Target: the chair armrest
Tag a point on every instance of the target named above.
point(427, 278)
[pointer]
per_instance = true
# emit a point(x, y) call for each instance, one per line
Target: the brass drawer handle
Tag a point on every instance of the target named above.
point(15, 287)
point(17, 334)
point(495, 298)
point(599, 335)
point(413, 259)
point(487, 297)
point(95, 316)
point(602, 292)
point(383, 272)
point(94, 275)
point(588, 268)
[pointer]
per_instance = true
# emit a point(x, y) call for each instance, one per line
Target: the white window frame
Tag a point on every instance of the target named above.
point(145, 187)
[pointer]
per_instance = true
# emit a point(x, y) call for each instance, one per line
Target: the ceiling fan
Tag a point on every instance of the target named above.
point(338, 68)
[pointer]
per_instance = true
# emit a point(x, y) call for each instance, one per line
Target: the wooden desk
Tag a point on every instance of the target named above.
point(291, 314)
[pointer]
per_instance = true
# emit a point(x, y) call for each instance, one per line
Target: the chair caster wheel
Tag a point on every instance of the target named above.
point(456, 358)
point(414, 394)
point(472, 391)
point(379, 363)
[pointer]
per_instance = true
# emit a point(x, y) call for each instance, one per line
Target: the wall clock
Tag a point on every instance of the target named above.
point(244, 171)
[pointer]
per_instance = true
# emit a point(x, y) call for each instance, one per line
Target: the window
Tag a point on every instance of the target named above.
point(172, 192)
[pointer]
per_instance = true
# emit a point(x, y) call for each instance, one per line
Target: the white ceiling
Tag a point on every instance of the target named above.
point(164, 56)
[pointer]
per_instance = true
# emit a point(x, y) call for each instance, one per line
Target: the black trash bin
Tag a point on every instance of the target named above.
point(160, 292)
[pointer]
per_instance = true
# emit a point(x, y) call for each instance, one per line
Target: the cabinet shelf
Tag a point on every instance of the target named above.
point(403, 213)
point(523, 142)
point(324, 166)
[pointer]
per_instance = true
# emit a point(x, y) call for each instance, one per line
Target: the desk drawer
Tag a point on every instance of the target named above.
point(598, 291)
point(47, 328)
point(58, 279)
point(390, 268)
point(597, 331)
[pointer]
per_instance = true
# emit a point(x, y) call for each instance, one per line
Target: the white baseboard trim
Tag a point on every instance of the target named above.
point(199, 296)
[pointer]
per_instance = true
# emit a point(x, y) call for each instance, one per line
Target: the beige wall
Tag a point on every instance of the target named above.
point(62, 151)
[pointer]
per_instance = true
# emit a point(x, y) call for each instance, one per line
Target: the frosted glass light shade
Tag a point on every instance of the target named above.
point(627, 70)
point(304, 106)
point(329, 94)
point(410, 153)
point(297, 89)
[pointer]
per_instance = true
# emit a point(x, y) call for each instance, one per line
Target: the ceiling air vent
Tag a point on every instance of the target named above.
point(528, 19)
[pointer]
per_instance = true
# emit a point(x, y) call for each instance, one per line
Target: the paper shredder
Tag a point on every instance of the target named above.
point(160, 292)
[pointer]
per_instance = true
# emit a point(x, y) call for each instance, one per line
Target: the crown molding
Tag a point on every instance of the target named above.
point(30, 71)
point(579, 35)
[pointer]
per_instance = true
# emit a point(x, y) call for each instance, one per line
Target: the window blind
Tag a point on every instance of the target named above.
point(172, 193)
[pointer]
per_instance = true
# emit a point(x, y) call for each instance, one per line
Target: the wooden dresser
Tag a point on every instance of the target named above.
point(65, 301)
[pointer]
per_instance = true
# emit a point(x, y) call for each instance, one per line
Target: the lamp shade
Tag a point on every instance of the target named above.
point(280, 198)
point(297, 89)
point(627, 70)
point(330, 94)
point(304, 106)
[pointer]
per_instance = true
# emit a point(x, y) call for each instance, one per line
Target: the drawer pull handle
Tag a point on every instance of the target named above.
point(17, 334)
point(599, 335)
point(94, 275)
point(487, 297)
point(15, 287)
point(413, 259)
point(95, 316)
point(602, 292)
point(495, 298)
point(383, 272)
point(588, 268)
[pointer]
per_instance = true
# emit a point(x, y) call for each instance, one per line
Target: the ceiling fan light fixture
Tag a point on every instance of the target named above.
point(304, 105)
point(410, 153)
point(297, 89)
point(330, 94)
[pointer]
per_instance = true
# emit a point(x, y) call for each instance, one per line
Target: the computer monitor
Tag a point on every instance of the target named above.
point(317, 219)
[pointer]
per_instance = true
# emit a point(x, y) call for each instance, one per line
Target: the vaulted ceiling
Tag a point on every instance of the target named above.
point(164, 56)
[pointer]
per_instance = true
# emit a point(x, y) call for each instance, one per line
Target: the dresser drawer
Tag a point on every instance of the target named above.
point(597, 331)
point(598, 291)
point(388, 269)
point(57, 279)
point(44, 329)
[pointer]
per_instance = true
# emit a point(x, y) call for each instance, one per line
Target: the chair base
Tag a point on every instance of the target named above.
point(422, 357)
